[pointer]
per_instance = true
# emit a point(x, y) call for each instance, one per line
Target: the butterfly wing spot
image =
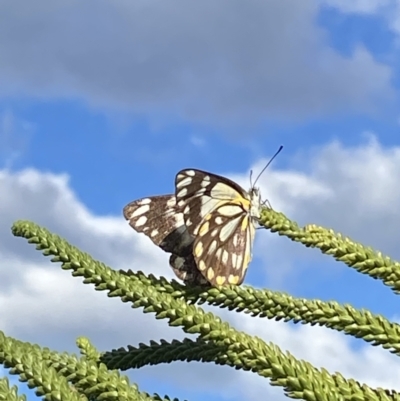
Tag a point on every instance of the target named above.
point(182, 193)
point(200, 192)
point(212, 247)
point(171, 202)
point(198, 250)
point(233, 279)
point(191, 173)
point(223, 191)
point(225, 256)
point(237, 261)
point(230, 210)
point(184, 182)
point(180, 204)
point(204, 228)
point(219, 220)
point(154, 233)
point(214, 232)
point(144, 201)
point(140, 210)
point(141, 221)
point(220, 280)
point(202, 266)
point(210, 273)
point(206, 182)
point(234, 260)
point(229, 228)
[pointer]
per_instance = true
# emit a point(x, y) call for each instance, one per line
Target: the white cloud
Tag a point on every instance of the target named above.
point(52, 308)
point(359, 6)
point(351, 190)
point(348, 189)
point(386, 10)
point(220, 62)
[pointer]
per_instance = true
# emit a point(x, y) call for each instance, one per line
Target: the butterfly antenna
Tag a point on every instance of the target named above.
point(272, 158)
point(251, 175)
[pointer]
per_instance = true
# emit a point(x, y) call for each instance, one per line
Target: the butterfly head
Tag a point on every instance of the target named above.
point(255, 203)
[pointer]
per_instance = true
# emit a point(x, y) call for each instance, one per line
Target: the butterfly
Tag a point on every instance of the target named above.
point(208, 226)
point(157, 218)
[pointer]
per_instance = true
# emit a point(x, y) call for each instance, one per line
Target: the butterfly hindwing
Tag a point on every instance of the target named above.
point(223, 246)
point(185, 269)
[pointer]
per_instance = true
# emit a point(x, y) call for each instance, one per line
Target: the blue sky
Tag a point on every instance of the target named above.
point(104, 102)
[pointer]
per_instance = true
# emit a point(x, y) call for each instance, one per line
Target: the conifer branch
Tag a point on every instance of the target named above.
point(355, 255)
point(50, 373)
point(8, 393)
point(27, 361)
point(164, 352)
point(299, 378)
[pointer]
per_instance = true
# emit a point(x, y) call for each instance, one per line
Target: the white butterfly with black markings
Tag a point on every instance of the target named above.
point(208, 226)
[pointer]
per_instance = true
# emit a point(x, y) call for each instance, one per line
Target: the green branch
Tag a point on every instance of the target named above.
point(298, 378)
point(361, 258)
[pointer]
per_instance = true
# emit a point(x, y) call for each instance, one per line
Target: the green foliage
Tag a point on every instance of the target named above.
point(95, 376)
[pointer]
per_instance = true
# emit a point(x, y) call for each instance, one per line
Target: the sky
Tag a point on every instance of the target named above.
point(103, 102)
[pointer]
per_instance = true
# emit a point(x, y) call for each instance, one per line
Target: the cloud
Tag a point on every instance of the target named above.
point(359, 6)
point(386, 10)
point(349, 189)
point(221, 63)
point(352, 190)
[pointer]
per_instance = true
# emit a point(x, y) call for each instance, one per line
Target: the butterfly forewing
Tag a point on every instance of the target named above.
point(157, 217)
point(198, 193)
